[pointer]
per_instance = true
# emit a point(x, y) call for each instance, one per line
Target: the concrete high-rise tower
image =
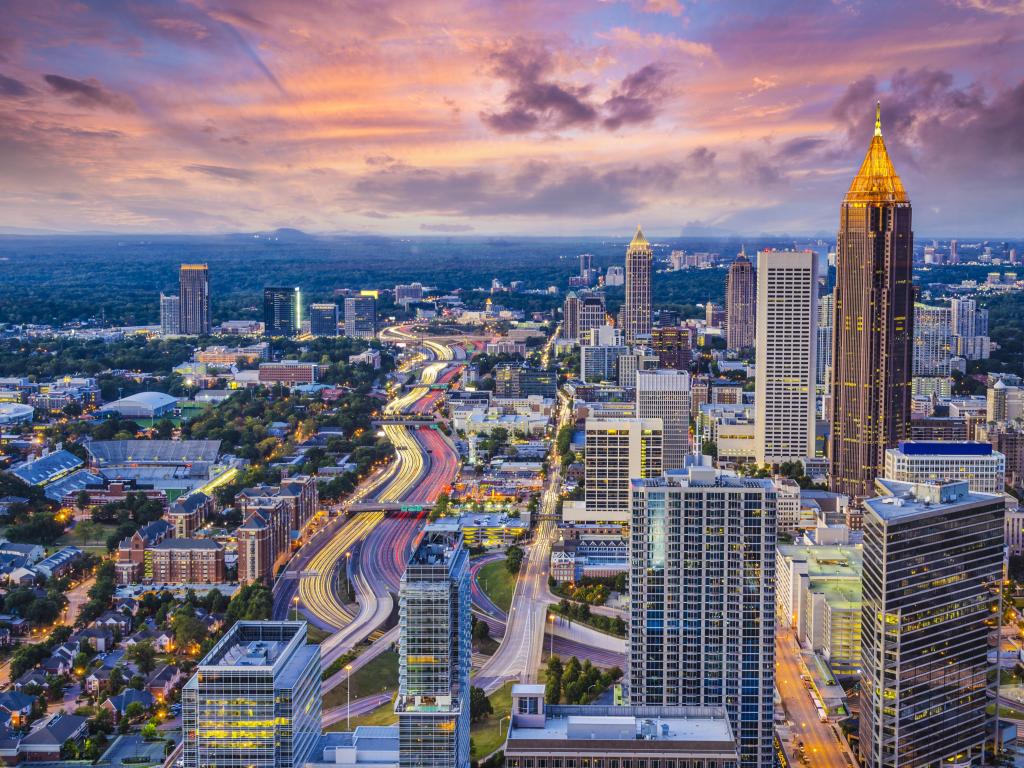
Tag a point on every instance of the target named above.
point(702, 591)
point(571, 316)
point(636, 312)
point(170, 315)
point(665, 394)
point(873, 327)
point(194, 294)
point(740, 299)
point(787, 319)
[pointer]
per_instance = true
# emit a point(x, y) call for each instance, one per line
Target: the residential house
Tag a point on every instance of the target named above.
point(45, 740)
point(118, 705)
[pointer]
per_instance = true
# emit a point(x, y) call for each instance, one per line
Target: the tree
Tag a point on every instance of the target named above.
point(89, 531)
point(144, 656)
point(187, 630)
point(479, 705)
point(514, 559)
point(148, 730)
point(134, 710)
point(480, 630)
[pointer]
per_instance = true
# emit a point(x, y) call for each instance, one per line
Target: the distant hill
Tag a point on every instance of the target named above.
point(283, 235)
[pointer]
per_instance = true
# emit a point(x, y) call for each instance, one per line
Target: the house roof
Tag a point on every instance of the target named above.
point(56, 730)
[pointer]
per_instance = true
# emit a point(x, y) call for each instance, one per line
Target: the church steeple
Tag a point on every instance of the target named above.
point(877, 181)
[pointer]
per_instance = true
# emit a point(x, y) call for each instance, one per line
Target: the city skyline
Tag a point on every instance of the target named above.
point(221, 118)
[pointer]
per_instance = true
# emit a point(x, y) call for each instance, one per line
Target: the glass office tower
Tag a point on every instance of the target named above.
point(254, 701)
point(435, 653)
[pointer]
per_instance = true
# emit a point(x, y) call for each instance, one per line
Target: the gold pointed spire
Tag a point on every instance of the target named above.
point(877, 181)
point(638, 241)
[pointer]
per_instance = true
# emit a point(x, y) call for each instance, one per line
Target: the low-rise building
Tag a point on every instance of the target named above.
point(543, 735)
point(927, 461)
point(188, 561)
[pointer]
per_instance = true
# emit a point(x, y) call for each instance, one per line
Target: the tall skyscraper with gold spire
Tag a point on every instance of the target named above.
point(636, 311)
point(872, 323)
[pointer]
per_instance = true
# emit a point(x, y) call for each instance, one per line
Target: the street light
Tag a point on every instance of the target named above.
point(295, 600)
point(348, 697)
point(551, 651)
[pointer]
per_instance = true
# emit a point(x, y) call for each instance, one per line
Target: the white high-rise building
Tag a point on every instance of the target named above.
point(665, 394)
point(618, 450)
point(823, 349)
point(170, 315)
point(702, 591)
point(933, 340)
point(786, 336)
point(970, 329)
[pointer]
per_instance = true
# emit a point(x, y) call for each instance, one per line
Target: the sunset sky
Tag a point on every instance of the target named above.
point(465, 116)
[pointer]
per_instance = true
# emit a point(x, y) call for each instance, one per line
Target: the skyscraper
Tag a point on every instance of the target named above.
point(170, 315)
point(665, 394)
point(740, 298)
point(591, 315)
point(873, 327)
point(282, 311)
point(323, 319)
point(361, 317)
point(702, 591)
point(970, 329)
point(254, 701)
point(194, 295)
point(787, 318)
point(933, 557)
point(673, 346)
point(435, 653)
point(823, 350)
point(636, 312)
point(933, 340)
point(616, 451)
point(571, 316)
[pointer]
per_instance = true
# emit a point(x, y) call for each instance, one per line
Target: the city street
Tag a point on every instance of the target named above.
point(821, 741)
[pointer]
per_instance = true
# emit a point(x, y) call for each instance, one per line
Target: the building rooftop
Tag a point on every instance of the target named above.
point(827, 561)
point(654, 729)
point(47, 468)
point(153, 451)
point(701, 477)
point(151, 400)
point(257, 644)
point(188, 544)
point(901, 501)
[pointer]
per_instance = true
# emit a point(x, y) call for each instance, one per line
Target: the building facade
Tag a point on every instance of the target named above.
point(929, 462)
point(787, 317)
point(194, 299)
point(513, 380)
point(702, 591)
point(636, 311)
point(188, 561)
point(933, 340)
point(618, 450)
point(665, 394)
point(673, 347)
point(170, 315)
point(282, 311)
point(435, 653)
point(254, 701)
point(873, 323)
point(740, 302)
point(361, 317)
point(933, 556)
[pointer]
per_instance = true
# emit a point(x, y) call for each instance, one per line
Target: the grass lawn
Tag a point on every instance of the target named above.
point(497, 583)
point(315, 635)
point(1004, 711)
point(380, 674)
point(382, 715)
point(485, 736)
point(1010, 677)
point(95, 543)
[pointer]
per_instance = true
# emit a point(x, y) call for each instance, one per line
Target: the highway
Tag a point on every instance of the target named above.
point(821, 741)
point(318, 593)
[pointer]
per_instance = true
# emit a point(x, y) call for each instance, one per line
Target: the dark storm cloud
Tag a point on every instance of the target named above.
point(13, 88)
point(222, 172)
point(87, 93)
point(637, 97)
point(534, 100)
point(937, 125)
